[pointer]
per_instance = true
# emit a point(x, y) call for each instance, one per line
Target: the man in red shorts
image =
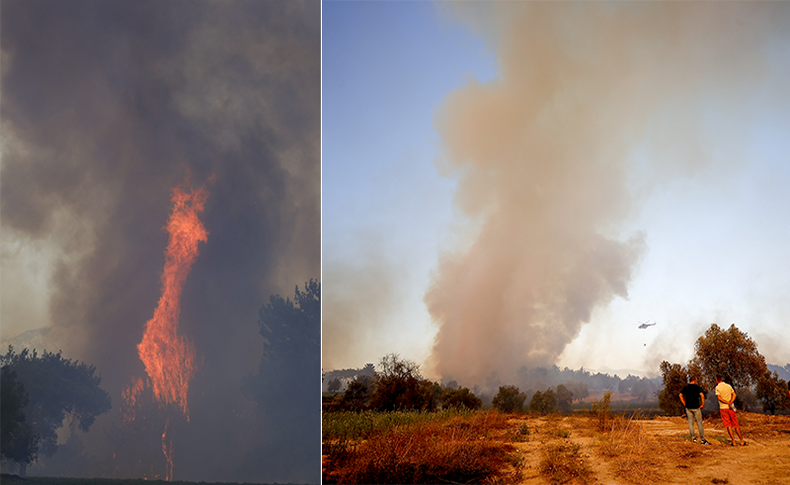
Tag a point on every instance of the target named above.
point(726, 396)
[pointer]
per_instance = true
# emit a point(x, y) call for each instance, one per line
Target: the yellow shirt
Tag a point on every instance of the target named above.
point(726, 392)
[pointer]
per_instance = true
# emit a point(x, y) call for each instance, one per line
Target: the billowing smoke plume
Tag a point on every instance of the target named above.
point(547, 163)
point(106, 106)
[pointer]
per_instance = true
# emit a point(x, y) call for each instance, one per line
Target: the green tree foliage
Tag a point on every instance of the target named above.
point(727, 353)
point(674, 377)
point(19, 441)
point(432, 392)
point(773, 393)
point(57, 388)
point(460, 398)
point(543, 403)
point(564, 398)
point(399, 386)
point(509, 399)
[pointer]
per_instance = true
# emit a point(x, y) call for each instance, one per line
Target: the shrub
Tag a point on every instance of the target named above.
point(399, 386)
point(460, 398)
point(543, 403)
point(519, 435)
point(509, 399)
point(602, 410)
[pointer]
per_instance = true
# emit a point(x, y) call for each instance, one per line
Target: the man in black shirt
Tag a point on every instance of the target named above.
point(693, 398)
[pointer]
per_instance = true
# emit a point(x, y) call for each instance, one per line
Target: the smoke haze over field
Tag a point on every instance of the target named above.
point(544, 159)
point(106, 106)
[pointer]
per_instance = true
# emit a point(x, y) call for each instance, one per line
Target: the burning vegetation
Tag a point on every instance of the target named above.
point(169, 358)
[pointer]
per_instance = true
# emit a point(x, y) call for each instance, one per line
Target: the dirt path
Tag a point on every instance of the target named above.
point(659, 451)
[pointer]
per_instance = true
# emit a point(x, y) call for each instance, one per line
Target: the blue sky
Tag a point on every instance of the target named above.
point(386, 67)
point(696, 128)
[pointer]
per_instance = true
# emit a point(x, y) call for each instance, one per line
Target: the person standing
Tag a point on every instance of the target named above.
point(726, 396)
point(693, 398)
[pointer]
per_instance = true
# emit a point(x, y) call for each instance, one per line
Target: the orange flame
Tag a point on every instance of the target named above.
point(130, 396)
point(169, 358)
point(167, 449)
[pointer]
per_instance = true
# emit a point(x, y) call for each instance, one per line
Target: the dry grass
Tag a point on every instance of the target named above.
point(489, 447)
point(458, 450)
point(564, 463)
point(636, 457)
point(760, 425)
point(631, 451)
point(519, 433)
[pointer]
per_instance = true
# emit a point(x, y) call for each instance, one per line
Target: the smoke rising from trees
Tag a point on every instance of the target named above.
point(545, 159)
point(106, 107)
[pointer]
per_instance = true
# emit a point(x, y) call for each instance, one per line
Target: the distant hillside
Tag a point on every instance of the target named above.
point(782, 372)
point(38, 339)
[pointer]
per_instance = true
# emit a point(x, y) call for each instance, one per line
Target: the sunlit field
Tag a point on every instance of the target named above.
point(605, 446)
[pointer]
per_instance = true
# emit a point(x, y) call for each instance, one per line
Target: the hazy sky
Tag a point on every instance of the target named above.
point(523, 183)
point(106, 107)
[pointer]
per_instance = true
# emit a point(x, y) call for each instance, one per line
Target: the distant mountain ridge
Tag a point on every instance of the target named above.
point(38, 339)
point(782, 372)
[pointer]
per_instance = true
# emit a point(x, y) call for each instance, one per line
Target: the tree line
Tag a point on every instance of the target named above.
point(396, 384)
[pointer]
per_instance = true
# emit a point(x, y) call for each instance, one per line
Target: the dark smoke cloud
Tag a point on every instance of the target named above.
point(108, 105)
point(544, 160)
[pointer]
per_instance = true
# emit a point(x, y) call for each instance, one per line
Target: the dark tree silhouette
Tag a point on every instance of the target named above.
point(334, 385)
point(357, 395)
point(290, 366)
point(287, 386)
point(19, 442)
point(57, 388)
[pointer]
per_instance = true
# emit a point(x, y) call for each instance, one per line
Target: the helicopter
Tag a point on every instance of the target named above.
point(646, 324)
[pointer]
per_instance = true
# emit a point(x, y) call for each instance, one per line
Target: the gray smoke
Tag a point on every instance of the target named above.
point(545, 159)
point(108, 105)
